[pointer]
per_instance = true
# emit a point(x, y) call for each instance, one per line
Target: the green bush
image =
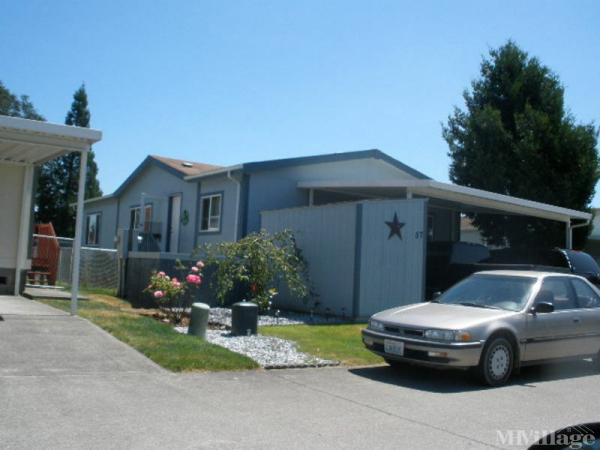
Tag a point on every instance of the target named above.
point(254, 267)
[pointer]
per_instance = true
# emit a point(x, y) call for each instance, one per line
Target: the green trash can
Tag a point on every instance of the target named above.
point(244, 318)
point(199, 320)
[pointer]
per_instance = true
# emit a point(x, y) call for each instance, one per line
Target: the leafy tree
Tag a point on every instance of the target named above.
point(515, 137)
point(254, 266)
point(59, 178)
point(11, 105)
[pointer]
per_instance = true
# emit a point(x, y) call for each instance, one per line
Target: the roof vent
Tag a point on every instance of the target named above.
point(187, 164)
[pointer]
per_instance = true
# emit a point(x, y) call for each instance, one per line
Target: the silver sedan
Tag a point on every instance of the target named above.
point(495, 322)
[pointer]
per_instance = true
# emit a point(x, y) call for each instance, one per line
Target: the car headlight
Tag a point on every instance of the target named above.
point(448, 335)
point(376, 325)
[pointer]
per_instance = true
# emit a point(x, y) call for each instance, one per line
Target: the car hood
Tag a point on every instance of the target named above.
point(437, 315)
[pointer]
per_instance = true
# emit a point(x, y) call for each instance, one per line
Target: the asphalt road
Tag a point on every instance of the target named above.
point(66, 384)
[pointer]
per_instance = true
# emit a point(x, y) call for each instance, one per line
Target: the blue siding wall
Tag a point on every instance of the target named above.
point(229, 190)
point(326, 236)
point(160, 183)
point(392, 270)
point(354, 267)
point(107, 208)
point(277, 188)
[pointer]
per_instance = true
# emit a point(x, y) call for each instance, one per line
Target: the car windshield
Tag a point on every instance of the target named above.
point(490, 291)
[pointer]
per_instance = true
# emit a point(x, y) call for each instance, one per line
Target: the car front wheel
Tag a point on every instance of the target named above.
point(497, 362)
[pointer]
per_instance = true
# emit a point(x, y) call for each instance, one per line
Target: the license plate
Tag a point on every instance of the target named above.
point(393, 347)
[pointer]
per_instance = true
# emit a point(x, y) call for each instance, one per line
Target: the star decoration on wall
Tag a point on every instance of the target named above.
point(395, 227)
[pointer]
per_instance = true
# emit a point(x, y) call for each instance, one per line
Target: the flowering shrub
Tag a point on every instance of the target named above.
point(257, 264)
point(169, 293)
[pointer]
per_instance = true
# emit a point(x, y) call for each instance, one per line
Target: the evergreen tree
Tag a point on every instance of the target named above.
point(515, 138)
point(59, 178)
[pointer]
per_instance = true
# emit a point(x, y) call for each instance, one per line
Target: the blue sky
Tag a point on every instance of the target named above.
point(225, 82)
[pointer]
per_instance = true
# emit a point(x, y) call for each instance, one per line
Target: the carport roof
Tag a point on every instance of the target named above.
point(24, 141)
point(465, 198)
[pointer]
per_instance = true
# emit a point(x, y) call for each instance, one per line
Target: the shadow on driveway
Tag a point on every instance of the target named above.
point(454, 381)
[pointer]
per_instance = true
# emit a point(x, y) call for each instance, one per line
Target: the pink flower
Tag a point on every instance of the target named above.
point(200, 264)
point(159, 294)
point(193, 279)
point(175, 280)
point(195, 269)
point(161, 274)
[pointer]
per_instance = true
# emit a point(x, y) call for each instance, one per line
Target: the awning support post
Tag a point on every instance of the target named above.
point(78, 231)
point(569, 236)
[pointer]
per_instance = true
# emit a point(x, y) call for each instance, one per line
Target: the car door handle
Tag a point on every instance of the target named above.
point(577, 320)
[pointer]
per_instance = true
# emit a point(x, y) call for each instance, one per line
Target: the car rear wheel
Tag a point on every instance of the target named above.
point(497, 361)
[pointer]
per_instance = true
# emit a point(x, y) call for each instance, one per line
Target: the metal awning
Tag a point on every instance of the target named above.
point(28, 143)
point(25, 142)
point(463, 198)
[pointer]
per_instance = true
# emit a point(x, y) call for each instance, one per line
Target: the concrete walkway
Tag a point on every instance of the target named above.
point(65, 384)
point(18, 306)
point(36, 339)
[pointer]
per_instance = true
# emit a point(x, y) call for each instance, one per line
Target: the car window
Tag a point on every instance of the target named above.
point(563, 299)
point(586, 296)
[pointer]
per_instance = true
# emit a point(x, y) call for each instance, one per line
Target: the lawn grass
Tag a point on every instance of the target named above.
point(339, 342)
point(158, 341)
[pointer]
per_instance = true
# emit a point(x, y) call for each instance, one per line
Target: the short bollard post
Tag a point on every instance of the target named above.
point(244, 318)
point(199, 320)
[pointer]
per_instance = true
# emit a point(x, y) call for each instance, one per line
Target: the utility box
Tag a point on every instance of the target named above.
point(199, 320)
point(244, 318)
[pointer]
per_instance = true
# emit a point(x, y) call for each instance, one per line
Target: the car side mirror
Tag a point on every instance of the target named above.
point(542, 308)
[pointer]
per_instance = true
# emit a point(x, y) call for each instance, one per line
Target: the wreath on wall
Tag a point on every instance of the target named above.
point(185, 217)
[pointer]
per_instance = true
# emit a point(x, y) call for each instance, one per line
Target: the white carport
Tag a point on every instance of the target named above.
point(25, 144)
point(461, 198)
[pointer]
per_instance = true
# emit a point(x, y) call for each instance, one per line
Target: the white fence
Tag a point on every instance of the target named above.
point(99, 267)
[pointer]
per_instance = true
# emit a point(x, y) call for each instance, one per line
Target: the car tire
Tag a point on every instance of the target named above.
point(497, 362)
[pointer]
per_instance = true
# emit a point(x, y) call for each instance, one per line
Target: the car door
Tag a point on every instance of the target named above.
point(588, 302)
point(554, 335)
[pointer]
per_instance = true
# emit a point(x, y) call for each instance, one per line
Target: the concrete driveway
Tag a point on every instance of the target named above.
point(64, 383)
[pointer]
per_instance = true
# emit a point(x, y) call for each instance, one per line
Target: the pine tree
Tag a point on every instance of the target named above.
point(59, 178)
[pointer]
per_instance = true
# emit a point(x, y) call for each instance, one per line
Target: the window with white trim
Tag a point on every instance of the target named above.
point(92, 232)
point(210, 212)
point(134, 218)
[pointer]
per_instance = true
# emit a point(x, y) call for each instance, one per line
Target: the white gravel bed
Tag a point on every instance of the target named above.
point(222, 316)
point(269, 352)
